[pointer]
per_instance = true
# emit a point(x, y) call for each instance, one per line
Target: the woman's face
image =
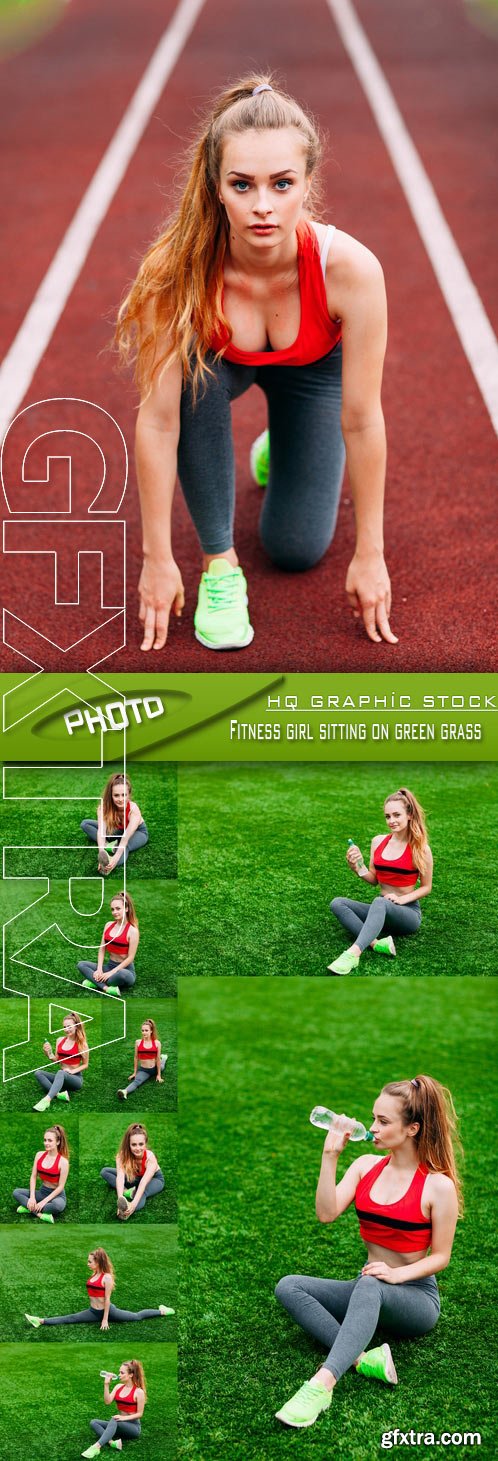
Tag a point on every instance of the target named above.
point(387, 1125)
point(119, 794)
point(263, 185)
point(117, 908)
point(137, 1143)
point(91, 1261)
point(50, 1141)
point(396, 816)
point(124, 1373)
point(146, 1031)
point(69, 1027)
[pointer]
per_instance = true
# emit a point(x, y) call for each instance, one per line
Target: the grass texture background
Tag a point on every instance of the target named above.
point(257, 1055)
point(44, 1272)
point(52, 1395)
point(262, 854)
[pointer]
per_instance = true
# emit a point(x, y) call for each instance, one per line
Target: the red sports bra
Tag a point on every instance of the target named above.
point(317, 334)
point(129, 1402)
point(68, 1057)
point(400, 872)
point(50, 1175)
point(398, 1225)
point(96, 1287)
point(119, 943)
point(147, 1054)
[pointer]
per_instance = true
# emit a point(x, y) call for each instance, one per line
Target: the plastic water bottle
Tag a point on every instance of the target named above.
point(361, 864)
point(323, 1118)
point(107, 1375)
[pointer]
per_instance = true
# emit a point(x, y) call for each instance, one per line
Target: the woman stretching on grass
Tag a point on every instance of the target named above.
point(397, 863)
point(100, 1286)
point(50, 1168)
point(407, 1204)
point(71, 1057)
point(130, 1396)
point(115, 967)
point(119, 828)
point(137, 1174)
point(244, 288)
point(148, 1059)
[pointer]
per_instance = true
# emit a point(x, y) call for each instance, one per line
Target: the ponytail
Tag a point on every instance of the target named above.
point(425, 1101)
point(417, 830)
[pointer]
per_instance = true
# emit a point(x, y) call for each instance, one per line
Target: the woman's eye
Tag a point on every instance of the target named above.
point(283, 184)
point(240, 185)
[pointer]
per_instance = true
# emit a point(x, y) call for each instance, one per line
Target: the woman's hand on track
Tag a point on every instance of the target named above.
point(337, 1136)
point(369, 592)
point(161, 593)
point(380, 1270)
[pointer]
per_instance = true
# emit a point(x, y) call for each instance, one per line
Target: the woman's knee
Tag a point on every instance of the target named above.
point(286, 1287)
point(368, 1285)
point(295, 557)
point(337, 906)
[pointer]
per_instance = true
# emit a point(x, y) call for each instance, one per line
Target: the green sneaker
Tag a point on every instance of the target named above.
point(23, 1209)
point(259, 458)
point(221, 619)
point(345, 963)
point(129, 1192)
point(385, 946)
point(118, 1445)
point(164, 1311)
point(306, 1405)
point(378, 1364)
point(92, 1451)
point(42, 1105)
point(112, 989)
point(32, 1319)
point(63, 1096)
point(45, 1217)
point(87, 984)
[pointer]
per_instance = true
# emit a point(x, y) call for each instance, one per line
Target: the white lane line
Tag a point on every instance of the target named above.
point(467, 311)
point(35, 333)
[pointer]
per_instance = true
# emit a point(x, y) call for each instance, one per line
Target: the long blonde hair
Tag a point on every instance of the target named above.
point(424, 1100)
point(417, 830)
point(137, 1374)
point(125, 1156)
point(178, 289)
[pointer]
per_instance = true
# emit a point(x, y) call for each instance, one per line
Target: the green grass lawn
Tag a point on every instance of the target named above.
point(98, 1144)
point(262, 854)
point(44, 1272)
point(53, 1394)
point(257, 1055)
point(41, 825)
point(47, 941)
point(21, 1137)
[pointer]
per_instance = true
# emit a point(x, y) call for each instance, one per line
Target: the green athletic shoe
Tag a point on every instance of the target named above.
point(92, 1451)
point(23, 1209)
point(45, 1217)
point(221, 619)
point(306, 1405)
point(42, 1105)
point(129, 1192)
point(164, 1311)
point(32, 1319)
point(385, 946)
point(112, 989)
point(345, 963)
point(63, 1096)
point(87, 984)
point(259, 458)
point(378, 1364)
point(118, 1445)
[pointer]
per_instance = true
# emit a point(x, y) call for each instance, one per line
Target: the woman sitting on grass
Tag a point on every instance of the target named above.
point(407, 1204)
point(71, 1057)
point(148, 1059)
point(119, 828)
point(115, 967)
point(100, 1286)
point(397, 863)
point(130, 1396)
point(50, 1168)
point(137, 1174)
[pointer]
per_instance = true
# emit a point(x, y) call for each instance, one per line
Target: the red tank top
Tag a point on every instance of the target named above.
point(399, 872)
point(50, 1175)
point(96, 1287)
point(118, 943)
point(317, 333)
point(147, 1054)
point(68, 1057)
point(128, 1403)
point(399, 1225)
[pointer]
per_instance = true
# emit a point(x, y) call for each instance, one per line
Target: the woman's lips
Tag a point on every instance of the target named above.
point(262, 227)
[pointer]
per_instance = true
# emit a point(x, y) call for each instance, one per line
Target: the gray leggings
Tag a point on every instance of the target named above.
point(118, 1316)
point(63, 1080)
point(124, 980)
point(155, 1185)
point(306, 457)
point(138, 838)
point(128, 1430)
point(343, 1316)
point(366, 921)
point(57, 1205)
point(144, 1075)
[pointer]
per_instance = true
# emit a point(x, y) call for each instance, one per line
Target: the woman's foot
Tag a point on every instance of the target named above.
point(118, 1445)
point(123, 1095)
point(345, 963)
point(378, 1364)
point(112, 989)
point(164, 1311)
point(92, 1451)
point(385, 946)
point(34, 1321)
point(306, 1405)
point(42, 1105)
point(122, 1205)
point(87, 984)
point(104, 861)
point(221, 619)
point(23, 1209)
point(45, 1217)
point(259, 459)
point(63, 1096)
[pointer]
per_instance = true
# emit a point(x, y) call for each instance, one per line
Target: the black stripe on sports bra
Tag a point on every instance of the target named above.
point(389, 1222)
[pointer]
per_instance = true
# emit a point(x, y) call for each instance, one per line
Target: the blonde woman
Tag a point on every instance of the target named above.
point(71, 1058)
point(50, 1171)
point(398, 863)
point(407, 1204)
point(119, 827)
point(149, 1062)
point(100, 1286)
point(246, 285)
point(137, 1175)
point(115, 967)
point(130, 1398)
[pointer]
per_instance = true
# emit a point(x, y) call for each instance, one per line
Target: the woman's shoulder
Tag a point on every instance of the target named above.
point(350, 258)
point(376, 841)
point(366, 1162)
point(439, 1184)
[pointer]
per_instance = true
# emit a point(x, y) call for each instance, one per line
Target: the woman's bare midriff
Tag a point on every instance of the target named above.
point(393, 1260)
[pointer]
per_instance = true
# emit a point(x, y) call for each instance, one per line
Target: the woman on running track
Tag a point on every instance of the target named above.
point(407, 1203)
point(244, 287)
point(119, 828)
point(100, 1286)
point(148, 1060)
point(115, 967)
point(137, 1174)
point(398, 862)
point(130, 1396)
point(71, 1057)
point(50, 1169)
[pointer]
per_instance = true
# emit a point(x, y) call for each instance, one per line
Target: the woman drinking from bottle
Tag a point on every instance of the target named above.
point(130, 1397)
point(149, 1062)
point(100, 1286)
point(398, 862)
point(50, 1170)
point(119, 828)
point(115, 967)
point(137, 1175)
point(71, 1058)
point(407, 1204)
